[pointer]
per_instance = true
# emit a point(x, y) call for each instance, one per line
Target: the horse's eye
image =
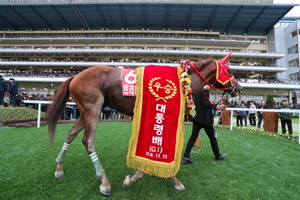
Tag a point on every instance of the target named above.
point(229, 71)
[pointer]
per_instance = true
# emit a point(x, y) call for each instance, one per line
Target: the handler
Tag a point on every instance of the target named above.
point(203, 119)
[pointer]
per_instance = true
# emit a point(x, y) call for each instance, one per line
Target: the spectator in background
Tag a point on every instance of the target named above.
point(252, 114)
point(240, 114)
point(113, 113)
point(286, 118)
point(260, 114)
point(30, 105)
point(106, 112)
point(6, 99)
point(22, 103)
point(68, 109)
point(245, 116)
point(42, 97)
point(18, 100)
point(13, 90)
point(3, 89)
point(74, 108)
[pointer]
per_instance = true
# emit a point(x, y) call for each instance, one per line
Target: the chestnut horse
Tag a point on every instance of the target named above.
point(100, 86)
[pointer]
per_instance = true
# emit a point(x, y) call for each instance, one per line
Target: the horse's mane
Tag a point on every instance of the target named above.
point(200, 64)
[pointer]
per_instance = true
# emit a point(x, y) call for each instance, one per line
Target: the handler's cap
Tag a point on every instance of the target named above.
point(284, 100)
point(12, 79)
point(238, 102)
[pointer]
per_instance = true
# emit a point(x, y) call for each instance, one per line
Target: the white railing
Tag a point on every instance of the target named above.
point(231, 116)
point(265, 110)
point(40, 106)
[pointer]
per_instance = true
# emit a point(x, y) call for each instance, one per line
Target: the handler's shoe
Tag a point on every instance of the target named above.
point(187, 161)
point(221, 157)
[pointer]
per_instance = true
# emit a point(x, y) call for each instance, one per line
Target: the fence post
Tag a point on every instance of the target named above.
point(231, 119)
point(39, 115)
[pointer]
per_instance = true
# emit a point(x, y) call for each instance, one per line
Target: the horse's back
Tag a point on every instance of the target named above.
point(97, 82)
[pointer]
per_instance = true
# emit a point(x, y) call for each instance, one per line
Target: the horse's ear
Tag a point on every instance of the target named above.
point(226, 58)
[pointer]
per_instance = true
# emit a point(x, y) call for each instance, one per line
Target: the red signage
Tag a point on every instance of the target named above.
point(128, 82)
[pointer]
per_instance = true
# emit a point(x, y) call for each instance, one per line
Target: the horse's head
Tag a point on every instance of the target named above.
point(217, 74)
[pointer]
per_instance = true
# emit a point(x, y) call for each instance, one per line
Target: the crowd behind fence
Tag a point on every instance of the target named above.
point(39, 103)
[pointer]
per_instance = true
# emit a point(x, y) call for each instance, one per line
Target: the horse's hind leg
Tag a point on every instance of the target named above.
point(88, 140)
point(73, 132)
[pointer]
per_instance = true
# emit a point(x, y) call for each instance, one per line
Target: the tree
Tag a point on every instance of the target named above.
point(270, 101)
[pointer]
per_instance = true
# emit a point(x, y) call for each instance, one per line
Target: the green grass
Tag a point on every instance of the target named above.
point(257, 167)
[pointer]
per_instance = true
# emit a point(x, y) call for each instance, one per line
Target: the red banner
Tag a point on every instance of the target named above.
point(157, 138)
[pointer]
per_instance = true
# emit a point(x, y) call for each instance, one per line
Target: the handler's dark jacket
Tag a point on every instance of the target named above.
point(203, 108)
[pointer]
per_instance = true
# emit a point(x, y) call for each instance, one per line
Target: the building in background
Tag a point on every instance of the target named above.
point(45, 42)
point(287, 37)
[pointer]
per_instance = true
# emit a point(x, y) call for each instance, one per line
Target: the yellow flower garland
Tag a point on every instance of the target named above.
point(186, 85)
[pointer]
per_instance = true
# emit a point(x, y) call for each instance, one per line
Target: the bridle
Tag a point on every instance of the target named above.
point(207, 83)
point(186, 65)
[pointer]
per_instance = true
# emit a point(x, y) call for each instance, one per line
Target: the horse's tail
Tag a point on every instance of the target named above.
point(55, 109)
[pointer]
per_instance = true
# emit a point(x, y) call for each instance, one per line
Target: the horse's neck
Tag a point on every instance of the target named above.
point(208, 70)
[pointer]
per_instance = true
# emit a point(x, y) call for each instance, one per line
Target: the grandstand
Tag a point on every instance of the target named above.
point(44, 42)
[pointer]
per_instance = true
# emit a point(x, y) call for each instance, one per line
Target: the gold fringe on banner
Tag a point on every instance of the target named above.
point(155, 168)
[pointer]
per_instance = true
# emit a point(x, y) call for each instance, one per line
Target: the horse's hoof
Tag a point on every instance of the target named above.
point(106, 190)
point(179, 187)
point(59, 174)
point(127, 181)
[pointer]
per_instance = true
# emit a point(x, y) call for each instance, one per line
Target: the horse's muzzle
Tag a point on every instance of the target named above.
point(234, 91)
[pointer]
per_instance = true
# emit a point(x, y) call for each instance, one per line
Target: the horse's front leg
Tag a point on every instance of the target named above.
point(139, 174)
point(59, 172)
point(131, 179)
point(177, 184)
